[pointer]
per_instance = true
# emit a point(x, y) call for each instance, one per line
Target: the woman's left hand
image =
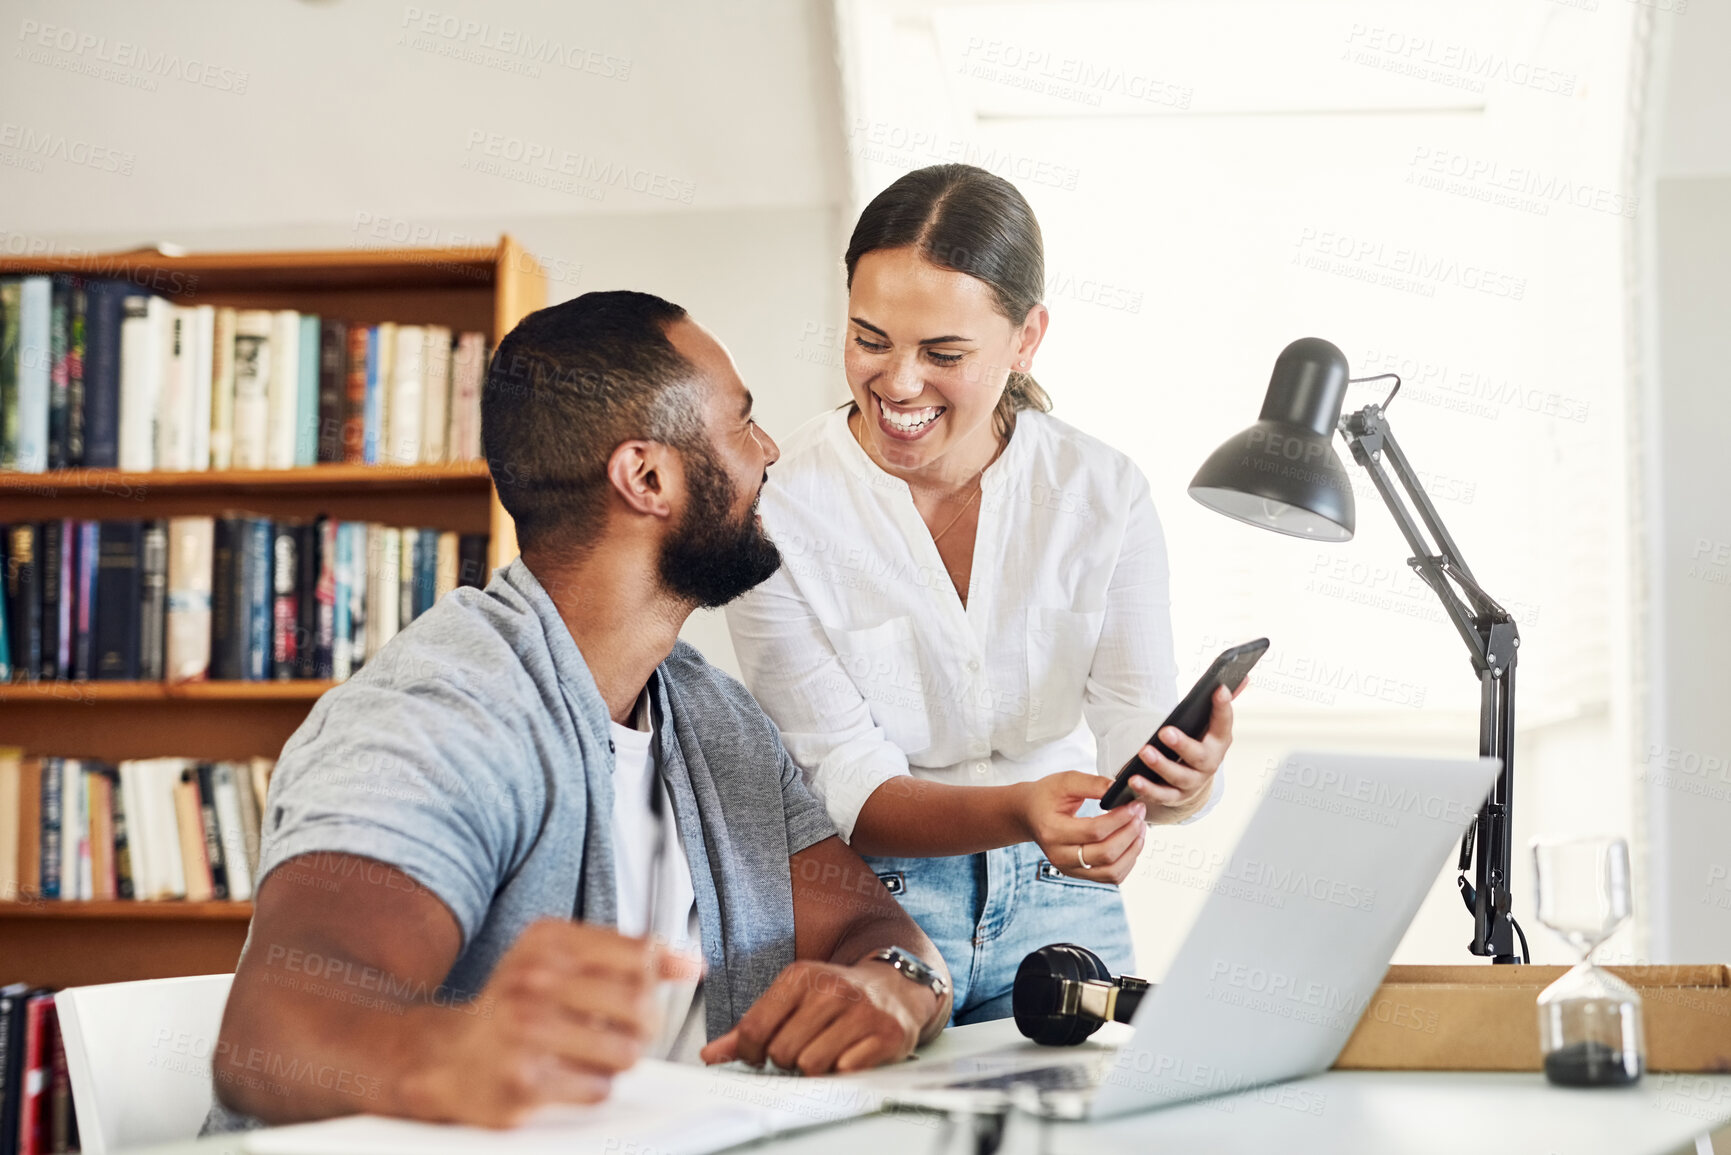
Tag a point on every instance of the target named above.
point(1192, 779)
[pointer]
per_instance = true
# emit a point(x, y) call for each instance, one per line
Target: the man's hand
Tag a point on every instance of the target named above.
point(1101, 848)
point(1190, 781)
point(821, 1017)
point(568, 1007)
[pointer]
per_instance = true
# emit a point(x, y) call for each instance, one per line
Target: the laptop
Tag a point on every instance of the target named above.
point(1288, 950)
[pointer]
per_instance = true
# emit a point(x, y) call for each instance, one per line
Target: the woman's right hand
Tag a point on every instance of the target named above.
point(1100, 848)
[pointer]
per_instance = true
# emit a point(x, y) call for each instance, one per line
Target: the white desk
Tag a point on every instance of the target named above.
point(1447, 1113)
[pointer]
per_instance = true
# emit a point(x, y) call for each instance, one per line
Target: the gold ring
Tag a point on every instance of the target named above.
point(1082, 860)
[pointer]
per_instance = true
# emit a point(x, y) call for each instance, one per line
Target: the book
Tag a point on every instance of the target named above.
point(358, 588)
point(10, 293)
point(12, 1018)
point(354, 431)
point(324, 586)
point(408, 556)
point(253, 364)
point(74, 831)
point(251, 814)
point(174, 406)
point(130, 802)
point(404, 406)
point(24, 600)
point(222, 389)
point(119, 594)
point(49, 853)
point(191, 544)
point(228, 623)
point(373, 411)
point(144, 334)
point(306, 599)
point(202, 368)
point(445, 568)
point(285, 605)
point(384, 583)
point(472, 560)
point(468, 367)
point(122, 835)
point(426, 567)
point(257, 592)
point(30, 827)
point(63, 556)
point(85, 560)
point(387, 349)
point(333, 388)
point(59, 370)
point(342, 579)
point(63, 1123)
point(168, 849)
point(11, 822)
point(212, 832)
point(189, 829)
point(77, 338)
point(153, 600)
point(435, 393)
point(35, 349)
point(99, 803)
point(231, 833)
point(281, 428)
point(50, 544)
point(105, 309)
point(306, 451)
point(35, 1062)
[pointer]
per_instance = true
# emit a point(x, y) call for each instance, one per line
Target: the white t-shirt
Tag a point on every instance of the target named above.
point(653, 878)
point(860, 651)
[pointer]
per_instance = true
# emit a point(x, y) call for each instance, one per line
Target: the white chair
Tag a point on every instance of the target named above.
point(139, 1058)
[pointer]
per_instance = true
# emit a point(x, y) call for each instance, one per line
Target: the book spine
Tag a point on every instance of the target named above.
point(371, 433)
point(354, 430)
point(251, 814)
point(231, 828)
point(189, 831)
point(35, 346)
point(59, 370)
point(285, 604)
point(85, 561)
point(253, 362)
point(5, 631)
point(55, 596)
point(222, 390)
point(141, 363)
point(49, 887)
point(343, 575)
point(30, 828)
point(190, 573)
point(24, 600)
point(105, 303)
point(77, 333)
point(333, 388)
point(119, 594)
point(213, 849)
point(404, 422)
point(10, 292)
point(65, 624)
point(436, 395)
point(472, 560)
point(409, 555)
point(307, 396)
point(153, 603)
point(306, 599)
point(99, 798)
point(201, 365)
point(258, 594)
point(174, 403)
point(285, 386)
point(227, 621)
point(123, 881)
point(33, 1066)
point(426, 570)
point(74, 831)
point(63, 1128)
point(359, 590)
point(324, 586)
point(12, 1000)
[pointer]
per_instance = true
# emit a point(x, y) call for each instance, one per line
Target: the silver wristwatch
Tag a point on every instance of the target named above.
point(912, 968)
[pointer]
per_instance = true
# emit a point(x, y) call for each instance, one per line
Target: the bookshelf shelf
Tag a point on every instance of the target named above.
point(308, 480)
point(126, 909)
point(293, 690)
point(485, 289)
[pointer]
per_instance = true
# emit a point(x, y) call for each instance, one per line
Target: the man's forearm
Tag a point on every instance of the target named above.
point(923, 819)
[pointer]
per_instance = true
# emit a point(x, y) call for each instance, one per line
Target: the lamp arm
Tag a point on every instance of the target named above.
point(1489, 633)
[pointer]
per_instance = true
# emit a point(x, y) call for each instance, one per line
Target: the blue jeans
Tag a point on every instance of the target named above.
point(986, 912)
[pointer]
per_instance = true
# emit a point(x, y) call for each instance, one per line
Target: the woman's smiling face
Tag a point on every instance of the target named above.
point(928, 354)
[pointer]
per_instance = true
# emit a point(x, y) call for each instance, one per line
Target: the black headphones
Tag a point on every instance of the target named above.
point(1064, 992)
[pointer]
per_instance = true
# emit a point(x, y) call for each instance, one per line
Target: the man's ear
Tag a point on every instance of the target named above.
point(643, 475)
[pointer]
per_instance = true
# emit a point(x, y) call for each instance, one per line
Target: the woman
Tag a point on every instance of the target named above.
point(973, 603)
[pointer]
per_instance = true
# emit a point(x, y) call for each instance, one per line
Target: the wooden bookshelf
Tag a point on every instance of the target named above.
point(484, 289)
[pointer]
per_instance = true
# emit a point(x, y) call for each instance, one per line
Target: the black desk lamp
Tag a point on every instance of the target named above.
point(1282, 474)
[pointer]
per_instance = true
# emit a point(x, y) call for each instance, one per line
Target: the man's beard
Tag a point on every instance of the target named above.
point(710, 559)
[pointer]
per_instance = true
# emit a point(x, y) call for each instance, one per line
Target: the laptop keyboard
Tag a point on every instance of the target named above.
point(1068, 1077)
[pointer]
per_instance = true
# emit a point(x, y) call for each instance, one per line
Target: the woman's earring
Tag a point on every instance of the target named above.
point(1021, 364)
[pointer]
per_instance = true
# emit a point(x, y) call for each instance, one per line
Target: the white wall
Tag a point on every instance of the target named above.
point(683, 147)
point(1684, 747)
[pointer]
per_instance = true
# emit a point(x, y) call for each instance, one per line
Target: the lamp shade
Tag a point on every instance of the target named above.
point(1282, 473)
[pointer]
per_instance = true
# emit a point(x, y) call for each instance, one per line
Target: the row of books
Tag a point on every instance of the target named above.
point(147, 829)
point(237, 597)
point(36, 1113)
point(95, 373)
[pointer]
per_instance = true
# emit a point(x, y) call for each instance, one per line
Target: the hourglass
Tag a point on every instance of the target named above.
point(1589, 1020)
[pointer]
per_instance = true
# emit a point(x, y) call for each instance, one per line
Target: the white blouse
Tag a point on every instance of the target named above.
point(862, 653)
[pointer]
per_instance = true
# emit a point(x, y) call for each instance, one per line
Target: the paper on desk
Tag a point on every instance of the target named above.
point(657, 1107)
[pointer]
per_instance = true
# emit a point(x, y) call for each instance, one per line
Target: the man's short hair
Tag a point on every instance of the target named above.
point(566, 387)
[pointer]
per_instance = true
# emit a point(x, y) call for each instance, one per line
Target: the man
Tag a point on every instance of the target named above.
point(483, 854)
